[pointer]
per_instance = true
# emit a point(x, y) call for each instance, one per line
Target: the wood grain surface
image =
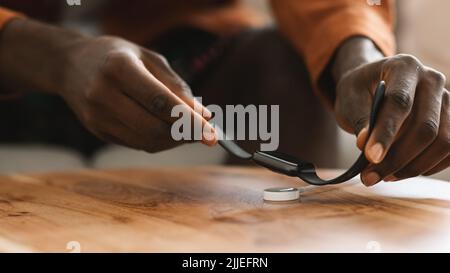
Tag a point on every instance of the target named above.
point(215, 209)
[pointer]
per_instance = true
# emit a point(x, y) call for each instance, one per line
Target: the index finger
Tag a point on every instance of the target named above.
point(399, 97)
point(144, 88)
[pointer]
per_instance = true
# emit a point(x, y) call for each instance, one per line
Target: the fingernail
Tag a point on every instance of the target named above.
point(361, 132)
point(371, 179)
point(390, 178)
point(375, 153)
point(209, 136)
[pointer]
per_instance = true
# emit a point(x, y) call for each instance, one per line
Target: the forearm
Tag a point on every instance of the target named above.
point(352, 53)
point(33, 56)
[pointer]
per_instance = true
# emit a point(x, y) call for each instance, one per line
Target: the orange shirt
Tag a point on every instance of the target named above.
point(315, 27)
point(6, 15)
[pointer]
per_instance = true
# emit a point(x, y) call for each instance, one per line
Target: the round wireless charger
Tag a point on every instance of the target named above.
point(281, 194)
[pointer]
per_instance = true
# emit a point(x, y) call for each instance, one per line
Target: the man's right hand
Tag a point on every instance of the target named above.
point(125, 94)
point(121, 92)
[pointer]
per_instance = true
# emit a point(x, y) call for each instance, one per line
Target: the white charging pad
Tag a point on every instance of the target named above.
point(281, 194)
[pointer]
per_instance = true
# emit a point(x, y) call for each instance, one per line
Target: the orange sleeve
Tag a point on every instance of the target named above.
point(317, 28)
point(5, 16)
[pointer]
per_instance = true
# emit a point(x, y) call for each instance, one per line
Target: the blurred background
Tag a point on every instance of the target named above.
point(422, 30)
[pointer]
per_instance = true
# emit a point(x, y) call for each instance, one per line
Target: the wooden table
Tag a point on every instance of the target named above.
point(214, 209)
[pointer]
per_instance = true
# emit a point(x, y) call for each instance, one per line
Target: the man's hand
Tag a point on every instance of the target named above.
point(412, 134)
point(121, 92)
point(125, 94)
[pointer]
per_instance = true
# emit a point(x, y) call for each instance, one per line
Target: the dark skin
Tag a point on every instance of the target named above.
point(412, 134)
point(124, 93)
